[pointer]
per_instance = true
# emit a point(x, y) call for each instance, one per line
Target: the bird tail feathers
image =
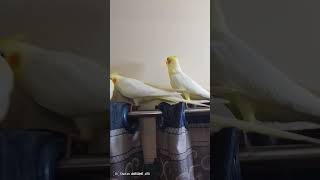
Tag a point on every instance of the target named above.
point(261, 129)
point(177, 99)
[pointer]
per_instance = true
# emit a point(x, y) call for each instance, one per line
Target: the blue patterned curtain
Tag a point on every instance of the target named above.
point(182, 142)
point(29, 155)
point(125, 146)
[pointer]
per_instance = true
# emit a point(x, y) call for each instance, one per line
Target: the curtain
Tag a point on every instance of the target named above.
point(125, 146)
point(182, 144)
point(29, 155)
point(225, 147)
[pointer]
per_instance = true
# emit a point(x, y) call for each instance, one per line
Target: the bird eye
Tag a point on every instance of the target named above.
point(14, 60)
point(2, 53)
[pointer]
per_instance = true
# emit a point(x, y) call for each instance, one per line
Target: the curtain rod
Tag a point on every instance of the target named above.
point(279, 152)
point(156, 113)
point(84, 162)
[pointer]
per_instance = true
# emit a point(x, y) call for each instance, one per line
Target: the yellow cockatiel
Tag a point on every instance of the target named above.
point(65, 83)
point(183, 83)
point(140, 92)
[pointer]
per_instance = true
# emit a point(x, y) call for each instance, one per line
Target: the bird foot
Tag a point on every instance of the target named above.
point(247, 142)
point(189, 106)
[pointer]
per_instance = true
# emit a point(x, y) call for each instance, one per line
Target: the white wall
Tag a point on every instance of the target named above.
point(145, 32)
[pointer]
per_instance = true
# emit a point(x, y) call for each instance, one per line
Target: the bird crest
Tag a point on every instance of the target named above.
point(114, 77)
point(171, 59)
point(173, 64)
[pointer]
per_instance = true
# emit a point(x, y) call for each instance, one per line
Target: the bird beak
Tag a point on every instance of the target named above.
point(14, 60)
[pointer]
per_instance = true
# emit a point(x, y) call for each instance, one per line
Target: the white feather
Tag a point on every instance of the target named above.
point(62, 82)
point(140, 92)
point(183, 81)
point(133, 88)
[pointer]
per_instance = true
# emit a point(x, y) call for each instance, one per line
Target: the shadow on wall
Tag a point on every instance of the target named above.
point(135, 69)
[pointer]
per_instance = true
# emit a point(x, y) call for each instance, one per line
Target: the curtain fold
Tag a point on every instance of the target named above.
point(29, 155)
point(125, 146)
point(225, 147)
point(182, 144)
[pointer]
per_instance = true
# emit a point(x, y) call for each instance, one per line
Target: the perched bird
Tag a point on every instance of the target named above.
point(252, 85)
point(65, 83)
point(140, 92)
point(6, 86)
point(111, 89)
point(183, 83)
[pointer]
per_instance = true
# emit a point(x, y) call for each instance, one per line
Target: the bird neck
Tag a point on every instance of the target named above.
point(175, 69)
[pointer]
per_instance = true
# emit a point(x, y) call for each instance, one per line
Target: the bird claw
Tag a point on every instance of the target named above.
point(187, 106)
point(190, 106)
point(247, 142)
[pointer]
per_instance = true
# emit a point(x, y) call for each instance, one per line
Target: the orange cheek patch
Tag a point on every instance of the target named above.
point(14, 60)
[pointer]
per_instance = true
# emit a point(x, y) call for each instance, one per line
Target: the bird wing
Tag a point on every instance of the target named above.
point(241, 65)
point(65, 83)
point(165, 89)
point(183, 81)
point(250, 71)
point(133, 88)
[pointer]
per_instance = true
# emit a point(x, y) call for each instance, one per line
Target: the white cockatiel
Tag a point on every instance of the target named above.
point(65, 83)
point(111, 88)
point(6, 86)
point(183, 83)
point(252, 84)
point(140, 92)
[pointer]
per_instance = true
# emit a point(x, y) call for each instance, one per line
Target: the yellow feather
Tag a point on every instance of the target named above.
point(11, 39)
